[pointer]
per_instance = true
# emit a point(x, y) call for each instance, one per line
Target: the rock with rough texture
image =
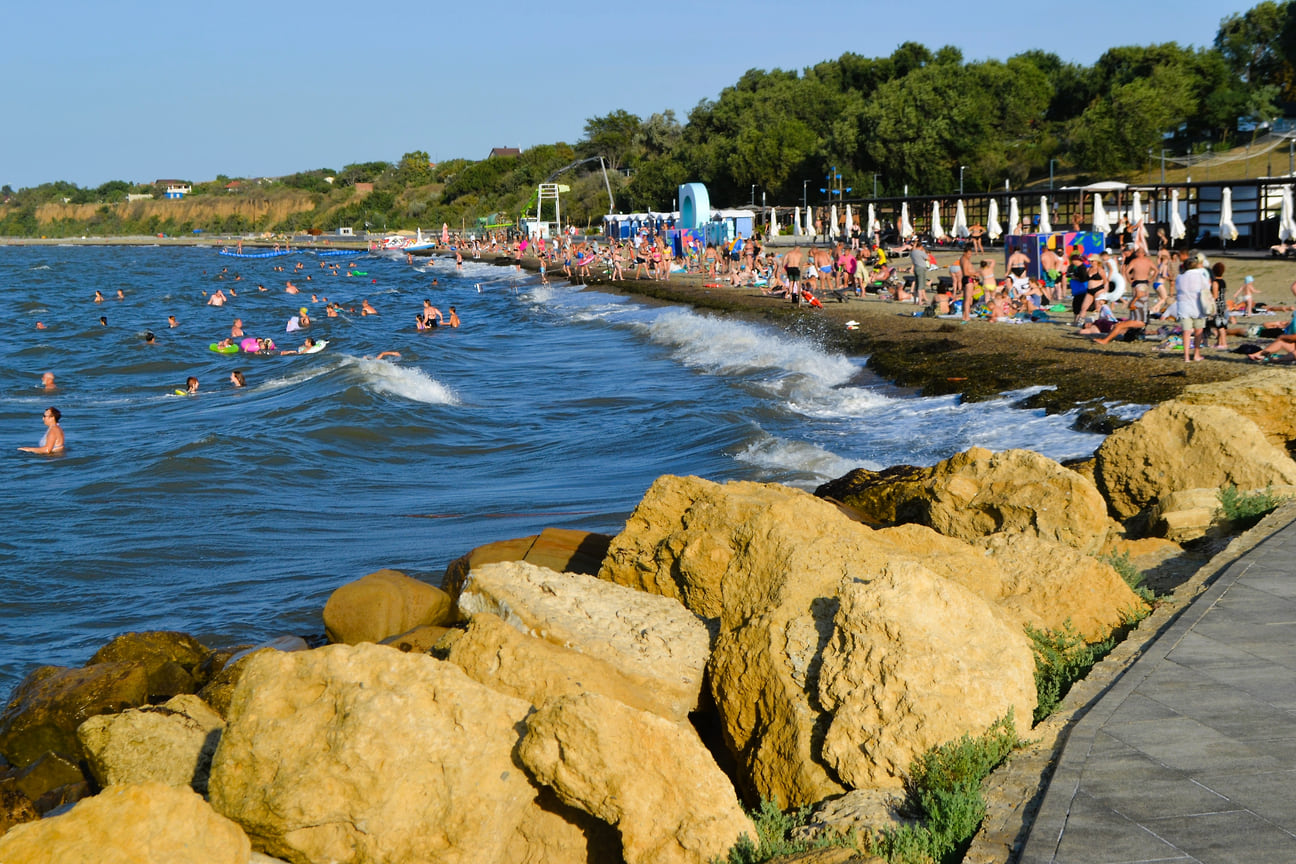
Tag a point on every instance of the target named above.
point(361, 753)
point(526, 667)
point(220, 689)
point(771, 561)
point(381, 605)
point(646, 638)
point(171, 659)
point(1266, 397)
point(1047, 585)
point(51, 702)
point(1186, 514)
point(867, 812)
point(977, 493)
point(146, 822)
point(648, 777)
point(562, 550)
point(15, 807)
point(1178, 446)
point(552, 832)
point(419, 640)
point(50, 780)
point(171, 743)
point(915, 661)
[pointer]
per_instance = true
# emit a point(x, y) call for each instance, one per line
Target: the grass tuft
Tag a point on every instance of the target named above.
point(1062, 657)
point(774, 839)
point(1245, 509)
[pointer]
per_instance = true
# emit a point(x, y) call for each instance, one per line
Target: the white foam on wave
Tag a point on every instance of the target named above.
point(779, 455)
point(406, 382)
point(726, 346)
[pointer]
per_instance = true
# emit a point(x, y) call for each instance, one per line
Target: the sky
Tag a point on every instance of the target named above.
point(141, 91)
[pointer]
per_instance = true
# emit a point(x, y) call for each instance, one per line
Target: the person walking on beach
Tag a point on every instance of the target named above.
point(969, 280)
point(792, 262)
point(1190, 286)
point(53, 441)
point(918, 257)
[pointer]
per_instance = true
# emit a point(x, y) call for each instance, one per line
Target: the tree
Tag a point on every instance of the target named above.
point(615, 137)
point(1249, 42)
point(414, 169)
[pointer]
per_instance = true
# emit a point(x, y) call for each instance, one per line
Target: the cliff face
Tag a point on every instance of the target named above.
point(255, 209)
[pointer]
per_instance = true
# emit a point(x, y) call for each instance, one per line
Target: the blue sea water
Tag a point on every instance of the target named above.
point(234, 513)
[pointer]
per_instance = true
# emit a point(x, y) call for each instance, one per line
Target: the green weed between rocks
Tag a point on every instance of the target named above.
point(774, 836)
point(1245, 509)
point(1133, 578)
point(943, 790)
point(1062, 657)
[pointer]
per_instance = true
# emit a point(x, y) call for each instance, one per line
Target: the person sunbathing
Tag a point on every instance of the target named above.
point(1284, 344)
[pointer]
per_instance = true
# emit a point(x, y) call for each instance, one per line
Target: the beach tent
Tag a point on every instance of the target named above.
point(1014, 217)
point(1044, 226)
point(1286, 220)
point(1136, 210)
point(960, 221)
point(993, 228)
point(903, 227)
point(937, 230)
point(1227, 230)
point(796, 221)
point(1101, 224)
point(849, 226)
point(1177, 229)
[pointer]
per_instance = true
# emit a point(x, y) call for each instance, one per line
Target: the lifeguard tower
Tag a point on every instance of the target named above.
point(538, 227)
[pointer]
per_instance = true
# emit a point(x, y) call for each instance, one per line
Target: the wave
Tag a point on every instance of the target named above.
point(403, 381)
point(781, 456)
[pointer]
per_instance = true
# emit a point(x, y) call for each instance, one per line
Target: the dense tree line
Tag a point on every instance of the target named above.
point(917, 119)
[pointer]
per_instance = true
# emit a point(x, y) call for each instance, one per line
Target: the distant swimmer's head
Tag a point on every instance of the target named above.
point(149, 338)
point(301, 311)
point(47, 380)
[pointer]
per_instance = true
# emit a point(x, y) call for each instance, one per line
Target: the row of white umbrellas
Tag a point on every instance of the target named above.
point(1101, 221)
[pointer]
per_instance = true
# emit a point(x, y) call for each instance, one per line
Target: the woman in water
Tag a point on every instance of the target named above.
point(52, 442)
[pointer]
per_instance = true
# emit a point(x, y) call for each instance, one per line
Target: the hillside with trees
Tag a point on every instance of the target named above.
point(919, 119)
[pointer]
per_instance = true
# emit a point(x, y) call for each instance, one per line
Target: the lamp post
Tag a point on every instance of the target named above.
point(875, 176)
point(804, 184)
point(753, 195)
point(961, 167)
point(1052, 162)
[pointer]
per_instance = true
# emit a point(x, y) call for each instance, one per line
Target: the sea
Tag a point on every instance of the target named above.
point(233, 513)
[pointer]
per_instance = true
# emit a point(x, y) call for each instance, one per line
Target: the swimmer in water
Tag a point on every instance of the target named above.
point(53, 441)
point(121, 295)
point(191, 385)
point(454, 318)
point(103, 320)
point(171, 322)
point(98, 297)
point(304, 349)
point(47, 381)
point(237, 379)
point(366, 309)
point(149, 338)
point(40, 325)
point(236, 331)
point(384, 354)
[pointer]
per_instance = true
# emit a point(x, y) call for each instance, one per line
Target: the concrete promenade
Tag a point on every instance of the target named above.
point(1190, 755)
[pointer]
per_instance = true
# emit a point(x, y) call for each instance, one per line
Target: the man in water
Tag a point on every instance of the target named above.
point(171, 322)
point(236, 331)
point(53, 441)
point(217, 299)
point(453, 321)
point(47, 381)
point(304, 349)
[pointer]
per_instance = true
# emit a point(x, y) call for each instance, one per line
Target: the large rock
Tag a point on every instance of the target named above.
point(1266, 397)
point(361, 753)
point(562, 550)
point(51, 702)
point(653, 640)
point(527, 667)
point(915, 661)
point(977, 493)
point(147, 822)
point(650, 778)
point(1048, 585)
point(52, 780)
point(770, 562)
point(170, 659)
point(381, 605)
point(1178, 446)
point(171, 743)
point(218, 692)
point(15, 807)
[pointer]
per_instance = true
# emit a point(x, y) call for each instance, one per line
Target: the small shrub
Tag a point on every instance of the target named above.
point(1244, 509)
point(1062, 657)
point(1133, 577)
point(773, 836)
point(943, 789)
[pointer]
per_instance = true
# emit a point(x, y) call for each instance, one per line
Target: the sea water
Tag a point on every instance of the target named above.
point(232, 514)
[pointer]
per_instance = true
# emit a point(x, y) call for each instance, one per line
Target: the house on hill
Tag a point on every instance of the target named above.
point(174, 188)
point(504, 151)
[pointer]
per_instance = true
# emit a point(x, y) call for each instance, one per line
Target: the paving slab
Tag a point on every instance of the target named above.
point(1190, 754)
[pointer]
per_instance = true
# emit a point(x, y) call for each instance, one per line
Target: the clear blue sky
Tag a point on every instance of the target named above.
point(145, 90)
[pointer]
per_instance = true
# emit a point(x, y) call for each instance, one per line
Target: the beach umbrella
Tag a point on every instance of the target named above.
point(849, 226)
point(773, 223)
point(960, 221)
point(993, 228)
point(445, 233)
point(904, 227)
point(1101, 223)
point(809, 223)
point(1014, 218)
point(937, 230)
point(1136, 210)
point(796, 221)
point(832, 223)
point(1227, 230)
point(873, 224)
point(1177, 229)
point(1287, 222)
point(1044, 226)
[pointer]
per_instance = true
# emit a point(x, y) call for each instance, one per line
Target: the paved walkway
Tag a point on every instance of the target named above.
point(1190, 756)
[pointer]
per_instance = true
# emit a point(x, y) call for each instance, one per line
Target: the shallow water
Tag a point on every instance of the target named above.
point(234, 513)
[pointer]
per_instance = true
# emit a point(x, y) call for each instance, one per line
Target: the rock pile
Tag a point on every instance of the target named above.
point(576, 697)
